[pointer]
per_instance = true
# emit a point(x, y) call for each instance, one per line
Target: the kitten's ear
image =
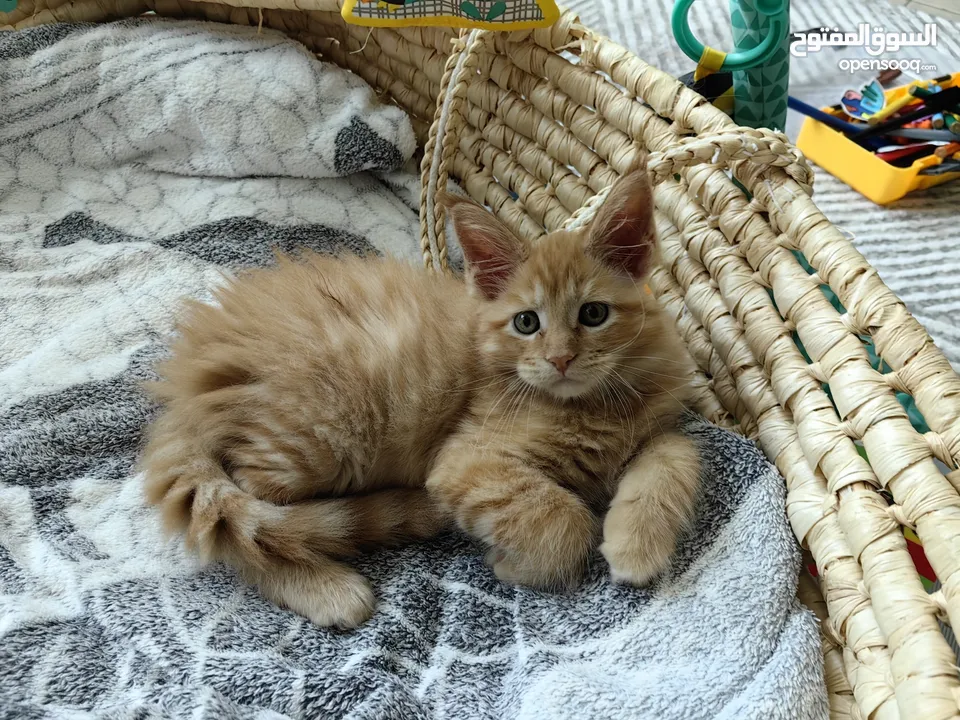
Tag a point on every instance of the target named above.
point(623, 231)
point(491, 251)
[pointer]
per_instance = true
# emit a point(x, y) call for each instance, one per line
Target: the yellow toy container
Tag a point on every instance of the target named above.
point(861, 169)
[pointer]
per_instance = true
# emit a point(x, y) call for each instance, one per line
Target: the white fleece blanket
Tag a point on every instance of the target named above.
point(139, 159)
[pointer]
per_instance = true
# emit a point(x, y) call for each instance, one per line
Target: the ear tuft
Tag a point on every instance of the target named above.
point(623, 231)
point(491, 251)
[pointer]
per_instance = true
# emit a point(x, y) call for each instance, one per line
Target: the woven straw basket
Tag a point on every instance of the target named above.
point(536, 125)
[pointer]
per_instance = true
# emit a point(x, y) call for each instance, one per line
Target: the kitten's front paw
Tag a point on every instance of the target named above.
point(506, 568)
point(329, 595)
point(632, 568)
point(541, 534)
point(652, 506)
point(547, 555)
point(636, 555)
point(515, 569)
point(350, 604)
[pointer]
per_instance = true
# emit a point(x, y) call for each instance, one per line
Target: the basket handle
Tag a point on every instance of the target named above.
point(757, 145)
point(439, 150)
point(760, 146)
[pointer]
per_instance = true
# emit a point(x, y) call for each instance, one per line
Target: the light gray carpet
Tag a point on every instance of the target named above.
point(914, 244)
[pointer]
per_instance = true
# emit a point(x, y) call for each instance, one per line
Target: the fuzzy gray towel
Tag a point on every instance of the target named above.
point(101, 617)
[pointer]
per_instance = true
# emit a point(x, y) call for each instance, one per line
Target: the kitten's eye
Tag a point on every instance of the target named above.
point(593, 314)
point(527, 322)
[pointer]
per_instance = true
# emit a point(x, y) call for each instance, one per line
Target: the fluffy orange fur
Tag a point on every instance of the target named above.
point(327, 406)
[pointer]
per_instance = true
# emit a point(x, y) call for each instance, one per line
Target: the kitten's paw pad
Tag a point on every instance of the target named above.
point(344, 603)
point(633, 567)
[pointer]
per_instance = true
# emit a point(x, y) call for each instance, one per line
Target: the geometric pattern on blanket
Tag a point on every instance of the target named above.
point(102, 617)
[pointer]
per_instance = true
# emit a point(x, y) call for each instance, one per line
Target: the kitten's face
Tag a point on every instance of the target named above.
point(565, 323)
point(566, 314)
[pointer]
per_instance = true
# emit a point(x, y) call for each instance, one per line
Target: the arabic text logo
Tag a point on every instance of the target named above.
point(876, 41)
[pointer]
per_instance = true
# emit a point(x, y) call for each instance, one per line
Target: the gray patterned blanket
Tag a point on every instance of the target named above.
point(137, 161)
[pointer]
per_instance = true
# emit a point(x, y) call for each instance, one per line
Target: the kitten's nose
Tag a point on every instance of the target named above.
point(561, 362)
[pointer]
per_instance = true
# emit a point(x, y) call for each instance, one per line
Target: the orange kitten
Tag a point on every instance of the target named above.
point(592, 370)
point(311, 410)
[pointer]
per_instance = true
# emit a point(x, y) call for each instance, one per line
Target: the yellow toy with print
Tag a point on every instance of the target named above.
point(485, 14)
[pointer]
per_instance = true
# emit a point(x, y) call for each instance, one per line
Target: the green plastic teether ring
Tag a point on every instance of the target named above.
point(777, 10)
point(8, 5)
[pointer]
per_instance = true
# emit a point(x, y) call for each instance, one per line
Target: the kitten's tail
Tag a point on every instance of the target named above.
point(288, 550)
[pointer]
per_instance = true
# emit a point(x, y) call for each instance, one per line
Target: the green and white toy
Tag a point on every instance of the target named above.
point(760, 62)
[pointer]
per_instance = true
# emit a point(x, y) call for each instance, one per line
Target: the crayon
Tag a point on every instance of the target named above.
point(888, 76)
point(893, 107)
point(950, 166)
point(924, 92)
point(952, 123)
point(937, 120)
point(944, 100)
point(945, 151)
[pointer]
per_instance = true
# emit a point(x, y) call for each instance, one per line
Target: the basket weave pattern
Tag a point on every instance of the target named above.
point(536, 125)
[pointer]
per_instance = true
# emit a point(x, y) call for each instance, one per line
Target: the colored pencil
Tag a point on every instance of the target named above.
point(945, 151)
point(827, 119)
point(951, 166)
point(948, 99)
